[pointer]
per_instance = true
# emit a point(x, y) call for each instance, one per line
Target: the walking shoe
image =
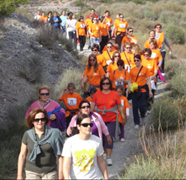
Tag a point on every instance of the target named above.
point(148, 111)
point(104, 155)
point(109, 161)
point(136, 126)
point(122, 140)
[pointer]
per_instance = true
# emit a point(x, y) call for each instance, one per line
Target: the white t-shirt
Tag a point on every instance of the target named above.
point(72, 24)
point(84, 155)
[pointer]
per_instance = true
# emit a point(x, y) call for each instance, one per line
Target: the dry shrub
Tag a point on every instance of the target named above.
point(70, 75)
point(171, 6)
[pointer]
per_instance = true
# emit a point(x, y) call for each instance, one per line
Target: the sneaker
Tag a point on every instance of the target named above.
point(104, 155)
point(163, 74)
point(122, 140)
point(109, 161)
point(136, 126)
point(148, 111)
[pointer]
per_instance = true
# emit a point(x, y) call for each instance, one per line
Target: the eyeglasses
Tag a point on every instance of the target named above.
point(130, 31)
point(109, 46)
point(106, 83)
point(116, 56)
point(120, 65)
point(38, 119)
point(136, 60)
point(83, 107)
point(94, 50)
point(121, 17)
point(95, 19)
point(87, 124)
point(146, 54)
point(128, 47)
point(44, 94)
point(92, 60)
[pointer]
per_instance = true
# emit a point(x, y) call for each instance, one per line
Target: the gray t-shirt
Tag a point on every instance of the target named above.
point(84, 155)
point(45, 161)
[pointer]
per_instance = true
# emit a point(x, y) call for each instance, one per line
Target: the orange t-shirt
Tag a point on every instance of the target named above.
point(109, 22)
point(88, 22)
point(71, 101)
point(127, 39)
point(121, 26)
point(80, 26)
point(117, 74)
point(104, 28)
point(96, 76)
point(161, 39)
point(150, 64)
point(100, 60)
point(144, 73)
point(156, 54)
point(116, 21)
point(108, 101)
point(111, 67)
point(107, 58)
point(89, 99)
point(147, 45)
point(95, 29)
point(41, 19)
point(125, 104)
point(128, 59)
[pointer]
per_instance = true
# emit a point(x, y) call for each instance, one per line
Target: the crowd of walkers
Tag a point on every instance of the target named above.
point(118, 74)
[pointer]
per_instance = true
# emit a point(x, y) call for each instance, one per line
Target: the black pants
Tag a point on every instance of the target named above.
point(119, 39)
point(163, 62)
point(72, 36)
point(104, 40)
point(139, 102)
point(82, 41)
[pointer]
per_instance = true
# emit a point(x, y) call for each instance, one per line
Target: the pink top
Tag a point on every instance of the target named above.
point(102, 128)
point(47, 106)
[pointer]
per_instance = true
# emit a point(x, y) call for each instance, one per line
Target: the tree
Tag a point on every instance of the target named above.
point(7, 6)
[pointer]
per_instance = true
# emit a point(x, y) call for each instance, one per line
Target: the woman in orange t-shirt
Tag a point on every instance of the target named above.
point(109, 21)
point(88, 23)
point(151, 64)
point(95, 33)
point(105, 102)
point(81, 32)
point(104, 33)
point(93, 74)
point(141, 75)
point(151, 38)
point(114, 43)
point(128, 57)
point(113, 65)
point(120, 76)
point(129, 38)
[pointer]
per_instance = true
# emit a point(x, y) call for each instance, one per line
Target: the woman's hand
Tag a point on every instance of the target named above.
point(109, 140)
point(52, 117)
point(127, 116)
point(124, 121)
point(150, 94)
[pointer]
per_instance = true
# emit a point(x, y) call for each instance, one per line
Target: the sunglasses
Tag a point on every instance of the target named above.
point(136, 60)
point(109, 46)
point(146, 54)
point(38, 119)
point(83, 107)
point(94, 50)
point(121, 17)
point(120, 65)
point(87, 124)
point(116, 56)
point(130, 31)
point(44, 94)
point(128, 47)
point(106, 83)
point(92, 60)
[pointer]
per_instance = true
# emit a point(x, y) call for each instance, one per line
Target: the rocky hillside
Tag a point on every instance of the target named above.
point(26, 64)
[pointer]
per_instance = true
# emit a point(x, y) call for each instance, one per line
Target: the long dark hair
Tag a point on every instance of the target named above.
point(96, 64)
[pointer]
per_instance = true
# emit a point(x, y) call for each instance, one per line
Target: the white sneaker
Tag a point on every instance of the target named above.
point(148, 111)
point(104, 155)
point(122, 140)
point(136, 126)
point(163, 74)
point(109, 161)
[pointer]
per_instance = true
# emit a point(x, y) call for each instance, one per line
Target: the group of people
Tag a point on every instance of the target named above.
point(117, 71)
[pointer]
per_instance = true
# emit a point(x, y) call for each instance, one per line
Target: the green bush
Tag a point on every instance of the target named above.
point(166, 114)
point(66, 43)
point(7, 6)
point(176, 34)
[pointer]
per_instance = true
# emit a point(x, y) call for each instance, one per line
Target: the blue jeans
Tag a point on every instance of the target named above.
point(63, 30)
point(94, 40)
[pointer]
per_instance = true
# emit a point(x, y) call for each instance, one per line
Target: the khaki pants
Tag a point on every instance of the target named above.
point(34, 175)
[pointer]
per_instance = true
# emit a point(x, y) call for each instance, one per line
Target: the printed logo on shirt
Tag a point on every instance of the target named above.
point(95, 74)
point(122, 103)
point(97, 28)
point(119, 83)
point(149, 66)
point(122, 25)
point(82, 25)
point(72, 101)
point(108, 62)
point(153, 55)
point(84, 159)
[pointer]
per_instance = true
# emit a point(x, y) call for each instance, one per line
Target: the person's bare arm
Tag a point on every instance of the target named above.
point(60, 167)
point(66, 167)
point(21, 161)
point(102, 166)
point(149, 86)
point(93, 105)
point(83, 81)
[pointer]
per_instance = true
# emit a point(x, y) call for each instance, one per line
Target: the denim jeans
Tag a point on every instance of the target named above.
point(63, 30)
point(94, 40)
